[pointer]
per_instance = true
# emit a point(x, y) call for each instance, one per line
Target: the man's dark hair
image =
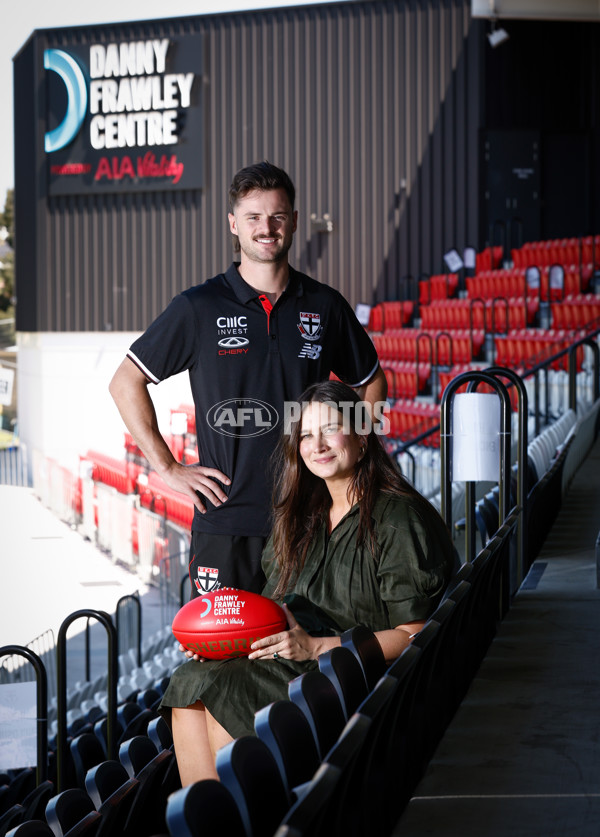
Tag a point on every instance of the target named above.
point(263, 176)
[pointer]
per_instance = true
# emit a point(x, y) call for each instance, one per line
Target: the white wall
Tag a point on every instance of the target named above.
point(64, 407)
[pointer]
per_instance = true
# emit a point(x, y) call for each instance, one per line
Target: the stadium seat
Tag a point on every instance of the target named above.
point(284, 728)
point(18, 784)
point(113, 793)
point(11, 817)
point(345, 672)
point(73, 812)
point(365, 646)
point(160, 733)
point(316, 696)
point(302, 819)
point(248, 769)
point(384, 753)
point(327, 805)
point(143, 762)
point(34, 803)
point(204, 809)
point(86, 751)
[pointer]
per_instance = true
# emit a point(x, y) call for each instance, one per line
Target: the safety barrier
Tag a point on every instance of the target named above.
point(13, 466)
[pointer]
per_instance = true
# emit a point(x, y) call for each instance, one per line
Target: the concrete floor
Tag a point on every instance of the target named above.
point(522, 754)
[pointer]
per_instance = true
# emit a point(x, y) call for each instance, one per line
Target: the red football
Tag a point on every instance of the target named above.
point(224, 623)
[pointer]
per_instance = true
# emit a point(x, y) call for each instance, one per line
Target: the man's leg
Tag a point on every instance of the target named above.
point(225, 561)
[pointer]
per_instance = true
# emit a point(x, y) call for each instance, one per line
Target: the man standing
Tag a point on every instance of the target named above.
point(252, 339)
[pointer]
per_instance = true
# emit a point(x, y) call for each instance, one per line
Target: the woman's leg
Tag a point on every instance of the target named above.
point(197, 737)
point(217, 736)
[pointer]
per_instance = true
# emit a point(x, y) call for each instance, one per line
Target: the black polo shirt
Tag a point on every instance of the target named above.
point(244, 365)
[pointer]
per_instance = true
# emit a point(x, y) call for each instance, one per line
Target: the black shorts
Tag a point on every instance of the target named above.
point(225, 561)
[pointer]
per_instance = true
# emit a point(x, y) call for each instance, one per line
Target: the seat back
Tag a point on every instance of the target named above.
point(365, 646)
point(204, 808)
point(284, 728)
point(136, 753)
point(68, 808)
point(86, 752)
point(342, 667)
point(316, 696)
point(248, 769)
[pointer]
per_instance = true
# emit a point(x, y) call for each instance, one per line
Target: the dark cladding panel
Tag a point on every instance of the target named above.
point(364, 103)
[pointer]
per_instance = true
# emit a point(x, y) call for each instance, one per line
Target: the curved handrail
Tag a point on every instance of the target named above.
point(111, 689)
point(41, 704)
point(446, 433)
point(427, 336)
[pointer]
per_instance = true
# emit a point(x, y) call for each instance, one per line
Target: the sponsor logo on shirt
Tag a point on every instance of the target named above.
point(242, 417)
point(310, 350)
point(232, 332)
point(310, 326)
point(233, 342)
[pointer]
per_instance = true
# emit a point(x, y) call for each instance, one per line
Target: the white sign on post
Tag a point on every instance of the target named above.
point(18, 725)
point(453, 261)
point(476, 437)
point(363, 313)
point(7, 377)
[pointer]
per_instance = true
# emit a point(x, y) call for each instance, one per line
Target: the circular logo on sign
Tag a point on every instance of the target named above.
point(74, 80)
point(233, 342)
point(242, 417)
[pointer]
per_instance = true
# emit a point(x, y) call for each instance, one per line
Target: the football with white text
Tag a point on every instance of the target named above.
point(224, 623)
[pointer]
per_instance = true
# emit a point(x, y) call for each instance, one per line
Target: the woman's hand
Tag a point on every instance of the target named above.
point(293, 644)
point(190, 654)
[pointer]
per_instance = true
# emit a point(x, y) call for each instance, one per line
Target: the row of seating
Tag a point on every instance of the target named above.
point(489, 259)
point(117, 798)
point(440, 286)
point(522, 282)
point(405, 379)
point(157, 496)
point(410, 418)
point(387, 315)
point(577, 311)
point(534, 346)
point(562, 251)
point(493, 315)
point(431, 345)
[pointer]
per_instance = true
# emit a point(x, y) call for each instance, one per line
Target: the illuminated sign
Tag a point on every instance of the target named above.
point(124, 116)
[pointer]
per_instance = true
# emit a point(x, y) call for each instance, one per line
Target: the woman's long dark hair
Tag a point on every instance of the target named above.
point(301, 501)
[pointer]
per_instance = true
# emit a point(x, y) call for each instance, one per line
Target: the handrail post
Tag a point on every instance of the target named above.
point(111, 690)
point(476, 299)
point(523, 413)
point(585, 341)
point(41, 703)
point(435, 383)
point(428, 337)
point(131, 597)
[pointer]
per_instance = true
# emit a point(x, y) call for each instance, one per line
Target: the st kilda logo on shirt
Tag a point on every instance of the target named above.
point(310, 325)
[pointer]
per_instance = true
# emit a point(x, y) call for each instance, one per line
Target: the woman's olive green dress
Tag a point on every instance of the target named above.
point(340, 586)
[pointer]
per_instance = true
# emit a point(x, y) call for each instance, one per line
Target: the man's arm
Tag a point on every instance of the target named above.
point(129, 389)
point(374, 390)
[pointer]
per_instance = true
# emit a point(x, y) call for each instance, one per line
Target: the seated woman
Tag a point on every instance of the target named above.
point(352, 543)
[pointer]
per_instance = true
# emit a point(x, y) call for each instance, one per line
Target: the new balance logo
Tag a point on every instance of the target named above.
point(311, 351)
